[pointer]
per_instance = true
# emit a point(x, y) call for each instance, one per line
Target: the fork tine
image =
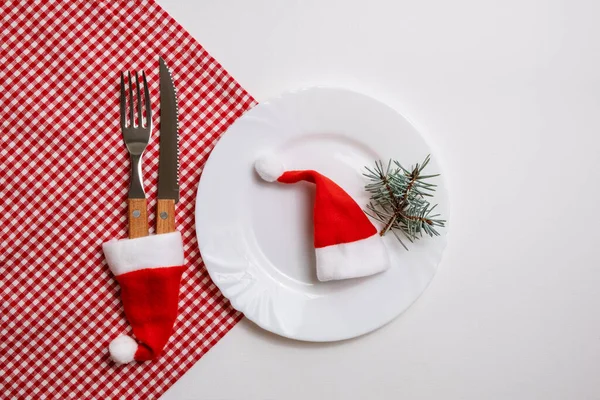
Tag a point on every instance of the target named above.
point(131, 104)
point(139, 100)
point(147, 104)
point(123, 101)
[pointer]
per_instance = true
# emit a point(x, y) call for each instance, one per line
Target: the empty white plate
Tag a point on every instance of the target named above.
point(256, 238)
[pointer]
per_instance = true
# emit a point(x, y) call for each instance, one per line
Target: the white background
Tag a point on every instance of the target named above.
point(508, 94)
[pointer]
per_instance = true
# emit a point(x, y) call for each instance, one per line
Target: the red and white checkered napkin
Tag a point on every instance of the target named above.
point(63, 184)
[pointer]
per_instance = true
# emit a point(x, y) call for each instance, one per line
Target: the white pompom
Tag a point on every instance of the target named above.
point(269, 167)
point(122, 349)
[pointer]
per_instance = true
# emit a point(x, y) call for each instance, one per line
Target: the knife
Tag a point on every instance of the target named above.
point(168, 161)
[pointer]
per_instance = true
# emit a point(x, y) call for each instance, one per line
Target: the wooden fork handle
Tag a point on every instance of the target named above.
point(165, 216)
point(138, 218)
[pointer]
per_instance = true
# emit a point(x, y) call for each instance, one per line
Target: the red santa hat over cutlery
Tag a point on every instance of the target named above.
point(347, 244)
point(149, 271)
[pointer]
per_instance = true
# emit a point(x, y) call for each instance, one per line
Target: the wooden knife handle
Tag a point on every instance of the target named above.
point(138, 218)
point(165, 216)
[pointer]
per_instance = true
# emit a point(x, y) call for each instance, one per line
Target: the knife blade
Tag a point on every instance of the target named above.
point(168, 160)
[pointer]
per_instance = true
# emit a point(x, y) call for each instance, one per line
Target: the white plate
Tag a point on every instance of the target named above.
point(256, 237)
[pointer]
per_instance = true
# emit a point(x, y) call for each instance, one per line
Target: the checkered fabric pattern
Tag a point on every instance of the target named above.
point(64, 174)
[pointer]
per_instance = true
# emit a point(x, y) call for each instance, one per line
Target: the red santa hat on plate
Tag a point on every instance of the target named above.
point(347, 244)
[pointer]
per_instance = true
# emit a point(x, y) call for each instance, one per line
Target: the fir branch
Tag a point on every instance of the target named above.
point(398, 200)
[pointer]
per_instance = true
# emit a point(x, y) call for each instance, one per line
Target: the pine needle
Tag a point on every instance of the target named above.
point(398, 200)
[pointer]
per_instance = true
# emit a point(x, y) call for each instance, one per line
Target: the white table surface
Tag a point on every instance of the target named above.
point(508, 93)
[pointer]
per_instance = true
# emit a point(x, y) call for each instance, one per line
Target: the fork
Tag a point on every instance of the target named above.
point(136, 137)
